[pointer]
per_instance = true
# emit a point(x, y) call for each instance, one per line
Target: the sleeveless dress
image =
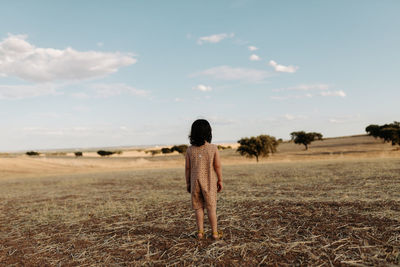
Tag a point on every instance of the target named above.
point(203, 181)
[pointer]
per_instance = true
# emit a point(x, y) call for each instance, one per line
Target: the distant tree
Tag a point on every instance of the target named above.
point(166, 150)
point(388, 132)
point(104, 153)
point(304, 138)
point(32, 153)
point(180, 149)
point(259, 146)
point(78, 154)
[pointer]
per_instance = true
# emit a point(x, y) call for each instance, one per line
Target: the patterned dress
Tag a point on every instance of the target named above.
point(203, 179)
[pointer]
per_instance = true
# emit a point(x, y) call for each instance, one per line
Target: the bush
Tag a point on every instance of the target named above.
point(153, 152)
point(221, 147)
point(166, 150)
point(181, 149)
point(104, 153)
point(32, 153)
point(78, 154)
point(260, 146)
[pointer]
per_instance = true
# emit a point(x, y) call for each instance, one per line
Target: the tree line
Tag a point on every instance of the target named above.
point(264, 145)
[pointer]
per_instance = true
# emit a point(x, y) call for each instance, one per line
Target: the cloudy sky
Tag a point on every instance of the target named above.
point(110, 73)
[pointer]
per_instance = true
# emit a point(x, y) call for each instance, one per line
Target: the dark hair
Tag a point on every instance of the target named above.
point(201, 132)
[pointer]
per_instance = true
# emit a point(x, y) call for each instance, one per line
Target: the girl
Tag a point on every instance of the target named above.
point(202, 160)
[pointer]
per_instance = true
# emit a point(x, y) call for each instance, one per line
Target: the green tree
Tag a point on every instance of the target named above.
point(388, 132)
point(303, 138)
point(259, 146)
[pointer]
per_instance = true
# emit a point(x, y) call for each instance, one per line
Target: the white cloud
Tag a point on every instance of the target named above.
point(345, 119)
point(252, 48)
point(322, 88)
point(340, 93)
point(307, 87)
point(21, 59)
point(291, 117)
point(104, 90)
point(254, 57)
point(215, 38)
point(202, 87)
point(100, 44)
point(235, 74)
point(26, 91)
point(282, 68)
point(291, 97)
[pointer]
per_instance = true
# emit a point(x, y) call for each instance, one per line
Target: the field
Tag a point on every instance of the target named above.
point(336, 204)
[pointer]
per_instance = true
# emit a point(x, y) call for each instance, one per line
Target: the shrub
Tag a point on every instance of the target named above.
point(32, 153)
point(104, 153)
point(78, 154)
point(154, 152)
point(221, 147)
point(181, 149)
point(260, 146)
point(166, 150)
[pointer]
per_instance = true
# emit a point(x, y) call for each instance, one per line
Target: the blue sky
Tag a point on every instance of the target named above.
point(110, 73)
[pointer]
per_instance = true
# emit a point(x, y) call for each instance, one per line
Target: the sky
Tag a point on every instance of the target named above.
point(77, 74)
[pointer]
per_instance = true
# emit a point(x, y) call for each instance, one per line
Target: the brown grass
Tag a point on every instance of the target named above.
point(331, 212)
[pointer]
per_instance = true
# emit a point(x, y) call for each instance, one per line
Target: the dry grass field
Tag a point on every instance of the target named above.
point(336, 204)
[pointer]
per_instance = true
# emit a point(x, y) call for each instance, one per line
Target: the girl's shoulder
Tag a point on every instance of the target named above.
point(212, 147)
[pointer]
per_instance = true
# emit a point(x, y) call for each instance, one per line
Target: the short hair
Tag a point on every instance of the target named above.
point(200, 133)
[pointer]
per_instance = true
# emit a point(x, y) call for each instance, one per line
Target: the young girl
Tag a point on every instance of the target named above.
point(202, 163)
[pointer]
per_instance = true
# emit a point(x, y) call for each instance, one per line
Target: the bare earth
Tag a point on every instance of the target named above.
point(336, 204)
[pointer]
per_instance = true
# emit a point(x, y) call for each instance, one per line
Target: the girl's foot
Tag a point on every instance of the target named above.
point(200, 234)
point(217, 235)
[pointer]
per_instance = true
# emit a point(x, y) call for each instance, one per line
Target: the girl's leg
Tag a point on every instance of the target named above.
point(212, 217)
point(200, 221)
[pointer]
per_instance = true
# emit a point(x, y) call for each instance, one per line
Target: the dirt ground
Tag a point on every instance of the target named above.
point(337, 210)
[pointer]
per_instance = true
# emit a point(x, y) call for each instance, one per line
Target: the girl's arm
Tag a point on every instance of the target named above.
point(218, 170)
point(187, 171)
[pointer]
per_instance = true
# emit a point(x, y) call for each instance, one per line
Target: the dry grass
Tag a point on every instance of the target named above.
point(333, 212)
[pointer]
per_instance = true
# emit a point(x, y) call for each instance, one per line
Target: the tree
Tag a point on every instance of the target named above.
point(78, 154)
point(259, 146)
point(388, 132)
point(104, 153)
point(304, 138)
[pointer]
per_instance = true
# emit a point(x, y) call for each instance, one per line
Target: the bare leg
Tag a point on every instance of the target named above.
point(212, 217)
point(200, 221)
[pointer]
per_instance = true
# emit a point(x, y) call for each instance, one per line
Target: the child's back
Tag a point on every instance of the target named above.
point(203, 179)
